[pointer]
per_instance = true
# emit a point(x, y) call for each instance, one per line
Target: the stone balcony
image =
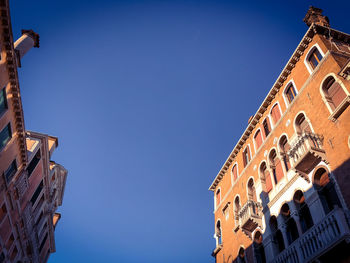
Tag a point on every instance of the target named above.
point(250, 216)
point(317, 240)
point(306, 152)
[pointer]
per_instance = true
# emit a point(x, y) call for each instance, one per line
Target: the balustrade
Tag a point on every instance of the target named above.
point(250, 216)
point(330, 231)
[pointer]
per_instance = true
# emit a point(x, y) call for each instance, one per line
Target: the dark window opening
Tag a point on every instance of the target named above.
point(290, 93)
point(33, 163)
point(5, 136)
point(314, 58)
point(11, 171)
point(3, 101)
point(37, 193)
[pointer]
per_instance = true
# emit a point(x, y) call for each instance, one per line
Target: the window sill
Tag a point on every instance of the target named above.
point(340, 109)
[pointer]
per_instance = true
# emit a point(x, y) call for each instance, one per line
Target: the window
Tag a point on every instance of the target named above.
point(11, 171)
point(5, 136)
point(333, 92)
point(3, 101)
point(218, 197)
point(218, 232)
point(265, 178)
point(43, 243)
point(277, 234)
point(246, 156)
point(33, 163)
point(276, 167)
point(290, 93)
point(284, 148)
point(267, 127)
point(302, 124)
point(291, 227)
point(37, 192)
point(3, 212)
point(258, 139)
point(275, 113)
point(235, 172)
point(237, 209)
point(314, 57)
point(241, 255)
point(305, 218)
point(326, 190)
point(251, 191)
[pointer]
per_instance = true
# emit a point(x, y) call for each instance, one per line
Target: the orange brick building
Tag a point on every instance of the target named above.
point(31, 185)
point(283, 193)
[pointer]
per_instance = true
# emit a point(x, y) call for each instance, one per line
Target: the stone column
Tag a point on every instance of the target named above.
point(282, 227)
point(313, 200)
point(295, 215)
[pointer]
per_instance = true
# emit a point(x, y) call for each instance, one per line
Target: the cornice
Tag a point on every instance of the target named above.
point(11, 65)
point(299, 51)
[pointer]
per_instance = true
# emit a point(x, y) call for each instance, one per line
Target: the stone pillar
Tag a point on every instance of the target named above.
point(282, 227)
point(313, 200)
point(295, 215)
point(270, 248)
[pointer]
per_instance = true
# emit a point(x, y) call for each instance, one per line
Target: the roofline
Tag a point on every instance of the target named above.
point(299, 51)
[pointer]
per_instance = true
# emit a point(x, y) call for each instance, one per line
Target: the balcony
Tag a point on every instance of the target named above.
point(317, 240)
point(306, 152)
point(250, 216)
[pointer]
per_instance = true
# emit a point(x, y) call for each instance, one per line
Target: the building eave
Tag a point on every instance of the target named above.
point(299, 51)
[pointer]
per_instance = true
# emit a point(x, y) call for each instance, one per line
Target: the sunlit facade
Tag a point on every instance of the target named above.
point(31, 184)
point(283, 193)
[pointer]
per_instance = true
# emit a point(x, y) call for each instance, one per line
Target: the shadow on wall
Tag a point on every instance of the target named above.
point(312, 227)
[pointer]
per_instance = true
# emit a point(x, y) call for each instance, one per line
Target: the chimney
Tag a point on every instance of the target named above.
point(314, 15)
point(28, 40)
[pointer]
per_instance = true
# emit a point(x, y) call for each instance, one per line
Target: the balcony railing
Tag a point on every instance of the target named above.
point(306, 152)
point(313, 243)
point(250, 216)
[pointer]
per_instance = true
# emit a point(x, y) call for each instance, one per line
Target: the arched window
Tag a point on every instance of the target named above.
point(302, 124)
point(290, 92)
point(218, 197)
point(235, 172)
point(284, 148)
point(218, 232)
point(267, 126)
point(258, 139)
point(237, 209)
point(291, 227)
point(333, 92)
point(265, 178)
point(259, 252)
point(251, 191)
point(277, 235)
point(305, 218)
point(314, 57)
point(246, 156)
point(326, 190)
point(275, 113)
point(276, 167)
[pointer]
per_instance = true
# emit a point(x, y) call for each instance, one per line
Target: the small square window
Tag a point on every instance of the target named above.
point(5, 136)
point(11, 171)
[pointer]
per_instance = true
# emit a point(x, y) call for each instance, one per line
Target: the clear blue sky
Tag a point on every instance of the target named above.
point(148, 99)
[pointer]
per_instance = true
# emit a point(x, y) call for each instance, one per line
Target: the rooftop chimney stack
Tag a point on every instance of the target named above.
point(28, 40)
point(314, 15)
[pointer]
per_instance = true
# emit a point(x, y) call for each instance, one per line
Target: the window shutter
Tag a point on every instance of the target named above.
point(276, 115)
point(336, 93)
point(258, 139)
point(268, 181)
point(279, 170)
point(235, 172)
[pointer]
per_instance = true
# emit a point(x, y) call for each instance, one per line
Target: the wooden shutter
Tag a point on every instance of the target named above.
point(336, 94)
point(304, 126)
point(276, 115)
point(279, 170)
point(235, 172)
point(258, 139)
point(268, 181)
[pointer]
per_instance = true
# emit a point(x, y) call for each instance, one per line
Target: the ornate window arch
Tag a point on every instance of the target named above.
point(305, 217)
point(265, 177)
point(266, 126)
point(247, 155)
point(302, 123)
point(334, 94)
point(251, 191)
point(275, 165)
point(313, 58)
point(290, 92)
point(217, 197)
point(284, 147)
point(234, 172)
